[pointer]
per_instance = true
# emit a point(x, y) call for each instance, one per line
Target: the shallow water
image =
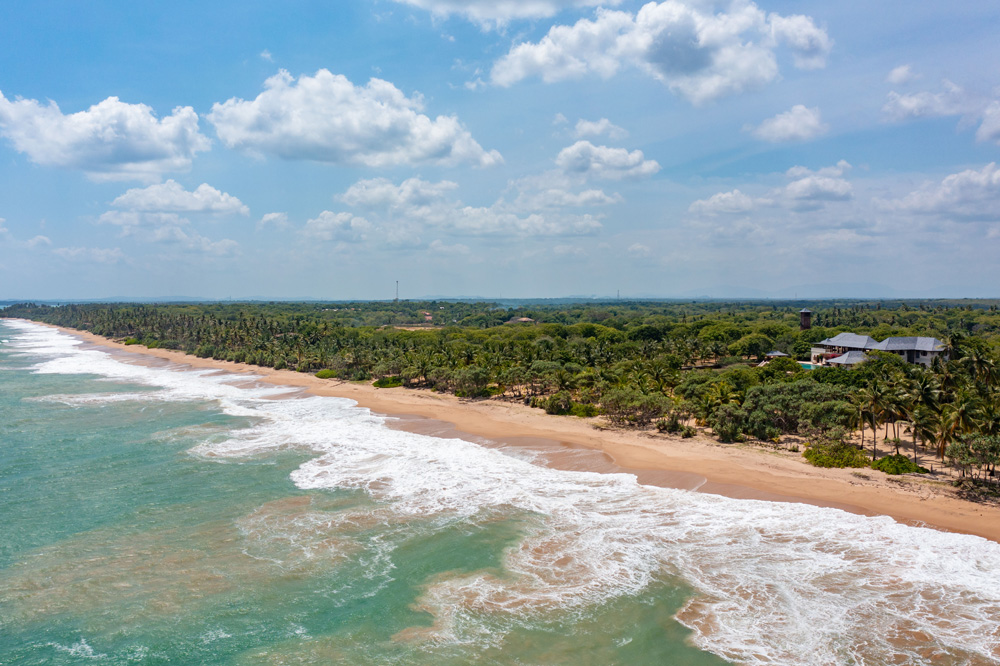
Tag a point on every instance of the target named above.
point(158, 514)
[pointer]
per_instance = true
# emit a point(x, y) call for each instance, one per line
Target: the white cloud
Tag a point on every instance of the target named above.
point(951, 101)
point(809, 189)
point(340, 227)
point(441, 248)
point(279, 220)
point(191, 241)
point(586, 159)
point(598, 128)
point(797, 124)
point(326, 118)
point(901, 75)
point(38, 240)
point(723, 202)
point(989, 130)
point(810, 45)
point(400, 212)
point(167, 228)
point(171, 197)
point(109, 141)
point(266, 55)
point(698, 53)
point(488, 13)
point(971, 194)
point(90, 254)
point(639, 250)
point(382, 193)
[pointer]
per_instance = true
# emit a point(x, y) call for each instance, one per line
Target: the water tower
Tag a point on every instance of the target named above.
point(805, 319)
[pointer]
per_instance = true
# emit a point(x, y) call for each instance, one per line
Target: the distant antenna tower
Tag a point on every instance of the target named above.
point(619, 294)
point(397, 291)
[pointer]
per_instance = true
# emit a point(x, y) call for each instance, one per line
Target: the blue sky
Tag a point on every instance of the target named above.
point(525, 148)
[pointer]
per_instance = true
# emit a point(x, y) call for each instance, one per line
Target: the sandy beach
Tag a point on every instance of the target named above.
point(698, 463)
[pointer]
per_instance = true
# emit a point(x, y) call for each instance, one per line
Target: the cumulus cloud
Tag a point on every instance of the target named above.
point(951, 101)
point(488, 13)
point(326, 118)
point(967, 195)
point(989, 130)
point(339, 227)
point(278, 220)
point(810, 189)
point(586, 159)
point(699, 53)
point(797, 124)
point(382, 193)
point(400, 213)
point(901, 75)
point(109, 141)
point(723, 202)
point(599, 128)
point(157, 214)
point(639, 250)
point(438, 247)
point(171, 197)
point(90, 254)
point(193, 242)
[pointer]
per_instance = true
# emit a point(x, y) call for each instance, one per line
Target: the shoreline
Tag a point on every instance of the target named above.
point(565, 442)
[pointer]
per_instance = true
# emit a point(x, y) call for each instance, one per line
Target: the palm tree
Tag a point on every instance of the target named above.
point(924, 423)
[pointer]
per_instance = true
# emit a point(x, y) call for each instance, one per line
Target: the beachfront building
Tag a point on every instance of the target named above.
point(848, 349)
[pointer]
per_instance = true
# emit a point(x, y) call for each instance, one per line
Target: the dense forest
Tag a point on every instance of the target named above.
point(675, 366)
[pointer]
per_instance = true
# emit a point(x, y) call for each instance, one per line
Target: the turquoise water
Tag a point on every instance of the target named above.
point(121, 546)
point(161, 515)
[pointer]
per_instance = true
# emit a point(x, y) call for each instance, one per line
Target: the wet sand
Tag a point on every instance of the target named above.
point(566, 442)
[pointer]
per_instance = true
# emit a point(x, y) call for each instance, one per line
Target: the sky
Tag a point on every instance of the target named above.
point(499, 149)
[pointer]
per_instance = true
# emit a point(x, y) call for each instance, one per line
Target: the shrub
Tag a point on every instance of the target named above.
point(325, 374)
point(728, 422)
point(130, 341)
point(388, 382)
point(834, 453)
point(583, 410)
point(687, 432)
point(898, 464)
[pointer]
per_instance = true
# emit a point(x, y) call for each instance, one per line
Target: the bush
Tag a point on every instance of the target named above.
point(835, 453)
point(583, 410)
point(671, 424)
point(388, 382)
point(728, 422)
point(687, 432)
point(326, 374)
point(130, 341)
point(898, 464)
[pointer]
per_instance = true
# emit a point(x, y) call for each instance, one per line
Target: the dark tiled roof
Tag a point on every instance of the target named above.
point(850, 358)
point(910, 343)
point(850, 341)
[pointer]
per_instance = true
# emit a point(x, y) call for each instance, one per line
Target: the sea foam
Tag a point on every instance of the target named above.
point(773, 583)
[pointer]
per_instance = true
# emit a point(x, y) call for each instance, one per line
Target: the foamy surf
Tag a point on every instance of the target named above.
point(773, 583)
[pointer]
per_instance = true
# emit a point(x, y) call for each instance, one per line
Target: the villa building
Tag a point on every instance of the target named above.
point(848, 349)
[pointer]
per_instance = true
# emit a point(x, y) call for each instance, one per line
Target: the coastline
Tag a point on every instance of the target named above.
point(568, 442)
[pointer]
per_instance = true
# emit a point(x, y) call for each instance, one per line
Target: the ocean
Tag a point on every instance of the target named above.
point(154, 514)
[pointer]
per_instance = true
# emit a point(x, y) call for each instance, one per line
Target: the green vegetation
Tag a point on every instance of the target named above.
point(835, 453)
point(898, 464)
point(676, 365)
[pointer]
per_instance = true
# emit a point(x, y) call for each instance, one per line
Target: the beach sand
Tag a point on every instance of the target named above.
point(698, 463)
